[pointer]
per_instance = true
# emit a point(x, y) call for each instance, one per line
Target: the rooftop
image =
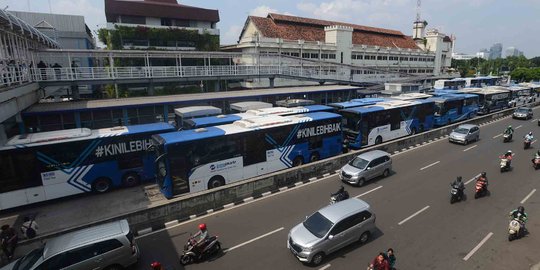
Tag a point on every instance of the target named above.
point(158, 9)
point(299, 28)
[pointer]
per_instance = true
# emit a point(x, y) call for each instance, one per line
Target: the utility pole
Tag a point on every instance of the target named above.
point(418, 9)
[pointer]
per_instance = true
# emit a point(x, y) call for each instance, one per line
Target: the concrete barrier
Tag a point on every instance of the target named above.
point(193, 205)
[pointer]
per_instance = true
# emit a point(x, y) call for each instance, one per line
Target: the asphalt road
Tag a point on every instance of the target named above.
point(414, 215)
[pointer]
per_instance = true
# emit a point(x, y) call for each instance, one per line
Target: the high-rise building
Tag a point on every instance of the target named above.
point(512, 51)
point(161, 24)
point(495, 51)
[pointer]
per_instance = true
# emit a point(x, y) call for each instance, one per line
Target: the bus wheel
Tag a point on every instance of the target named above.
point(101, 185)
point(130, 179)
point(216, 181)
point(378, 140)
point(314, 157)
point(298, 161)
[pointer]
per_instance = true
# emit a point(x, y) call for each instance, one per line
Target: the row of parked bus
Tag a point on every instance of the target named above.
point(216, 150)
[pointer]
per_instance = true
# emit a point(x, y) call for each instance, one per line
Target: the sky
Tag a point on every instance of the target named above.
point(476, 24)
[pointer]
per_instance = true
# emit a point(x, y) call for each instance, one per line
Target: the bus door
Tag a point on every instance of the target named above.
point(179, 174)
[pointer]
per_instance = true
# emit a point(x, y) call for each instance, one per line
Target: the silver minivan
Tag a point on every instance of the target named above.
point(331, 228)
point(107, 246)
point(365, 167)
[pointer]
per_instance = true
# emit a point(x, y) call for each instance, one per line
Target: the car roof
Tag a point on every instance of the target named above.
point(85, 236)
point(371, 155)
point(467, 126)
point(524, 107)
point(340, 210)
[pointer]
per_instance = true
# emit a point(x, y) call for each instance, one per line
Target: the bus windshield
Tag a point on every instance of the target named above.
point(439, 108)
point(350, 120)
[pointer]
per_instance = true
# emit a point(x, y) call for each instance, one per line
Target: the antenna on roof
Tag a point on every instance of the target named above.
point(418, 6)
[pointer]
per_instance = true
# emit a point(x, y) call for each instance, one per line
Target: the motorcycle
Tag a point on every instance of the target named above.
point(480, 190)
point(190, 254)
point(526, 144)
point(339, 196)
point(515, 229)
point(505, 164)
point(507, 137)
point(536, 163)
point(454, 194)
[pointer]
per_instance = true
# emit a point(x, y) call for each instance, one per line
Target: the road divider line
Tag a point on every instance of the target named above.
point(253, 240)
point(413, 215)
point(432, 164)
point(469, 255)
point(325, 267)
point(520, 126)
point(367, 192)
point(528, 196)
point(496, 136)
point(465, 150)
point(472, 179)
point(533, 120)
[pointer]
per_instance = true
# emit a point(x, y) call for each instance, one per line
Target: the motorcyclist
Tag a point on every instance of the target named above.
point(509, 130)
point(536, 156)
point(508, 156)
point(520, 215)
point(529, 137)
point(482, 179)
point(459, 185)
point(200, 239)
point(340, 194)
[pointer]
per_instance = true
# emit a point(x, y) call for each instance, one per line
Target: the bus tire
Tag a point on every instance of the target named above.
point(216, 181)
point(378, 140)
point(130, 179)
point(298, 161)
point(101, 185)
point(314, 157)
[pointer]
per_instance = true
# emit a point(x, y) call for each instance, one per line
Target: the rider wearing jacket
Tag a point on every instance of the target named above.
point(508, 156)
point(536, 156)
point(201, 237)
point(482, 179)
point(529, 137)
point(509, 130)
point(520, 215)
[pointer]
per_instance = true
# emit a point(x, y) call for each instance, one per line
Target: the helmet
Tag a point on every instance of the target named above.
point(509, 152)
point(510, 126)
point(530, 133)
point(521, 209)
point(155, 265)
point(483, 174)
point(202, 226)
point(459, 179)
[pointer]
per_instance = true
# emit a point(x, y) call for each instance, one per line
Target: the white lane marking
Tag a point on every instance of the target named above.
point(497, 136)
point(194, 218)
point(528, 196)
point(520, 126)
point(325, 267)
point(533, 120)
point(472, 179)
point(477, 246)
point(434, 163)
point(369, 191)
point(413, 215)
point(465, 150)
point(253, 240)
point(533, 141)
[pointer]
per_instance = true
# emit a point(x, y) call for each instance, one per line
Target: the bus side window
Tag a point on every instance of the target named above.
point(8, 175)
point(130, 160)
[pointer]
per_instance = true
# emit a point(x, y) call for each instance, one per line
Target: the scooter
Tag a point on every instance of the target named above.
point(454, 194)
point(339, 196)
point(505, 164)
point(507, 137)
point(526, 144)
point(480, 190)
point(515, 229)
point(536, 163)
point(190, 255)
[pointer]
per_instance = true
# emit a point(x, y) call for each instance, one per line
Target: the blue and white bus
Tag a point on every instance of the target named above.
point(481, 81)
point(521, 95)
point(490, 99)
point(453, 84)
point(200, 159)
point(358, 102)
point(217, 120)
point(450, 108)
point(42, 166)
point(384, 121)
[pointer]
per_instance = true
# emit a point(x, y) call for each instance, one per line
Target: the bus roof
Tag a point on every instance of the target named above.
point(411, 96)
point(356, 103)
point(241, 126)
point(387, 105)
point(294, 102)
point(249, 105)
point(444, 98)
point(76, 134)
point(196, 111)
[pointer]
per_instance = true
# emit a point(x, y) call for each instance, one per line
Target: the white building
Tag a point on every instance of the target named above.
point(361, 46)
point(462, 56)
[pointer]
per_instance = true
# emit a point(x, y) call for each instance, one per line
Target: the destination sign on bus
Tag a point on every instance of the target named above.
point(318, 130)
point(122, 148)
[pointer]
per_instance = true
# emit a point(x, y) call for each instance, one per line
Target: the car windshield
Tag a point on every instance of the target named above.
point(522, 110)
point(318, 225)
point(26, 262)
point(359, 163)
point(461, 130)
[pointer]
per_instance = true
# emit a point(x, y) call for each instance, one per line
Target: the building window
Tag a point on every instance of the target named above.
point(315, 55)
point(181, 23)
point(133, 19)
point(305, 55)
point(295, 54)
point(166, 22)
point(324, 56)
point(332, 55)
